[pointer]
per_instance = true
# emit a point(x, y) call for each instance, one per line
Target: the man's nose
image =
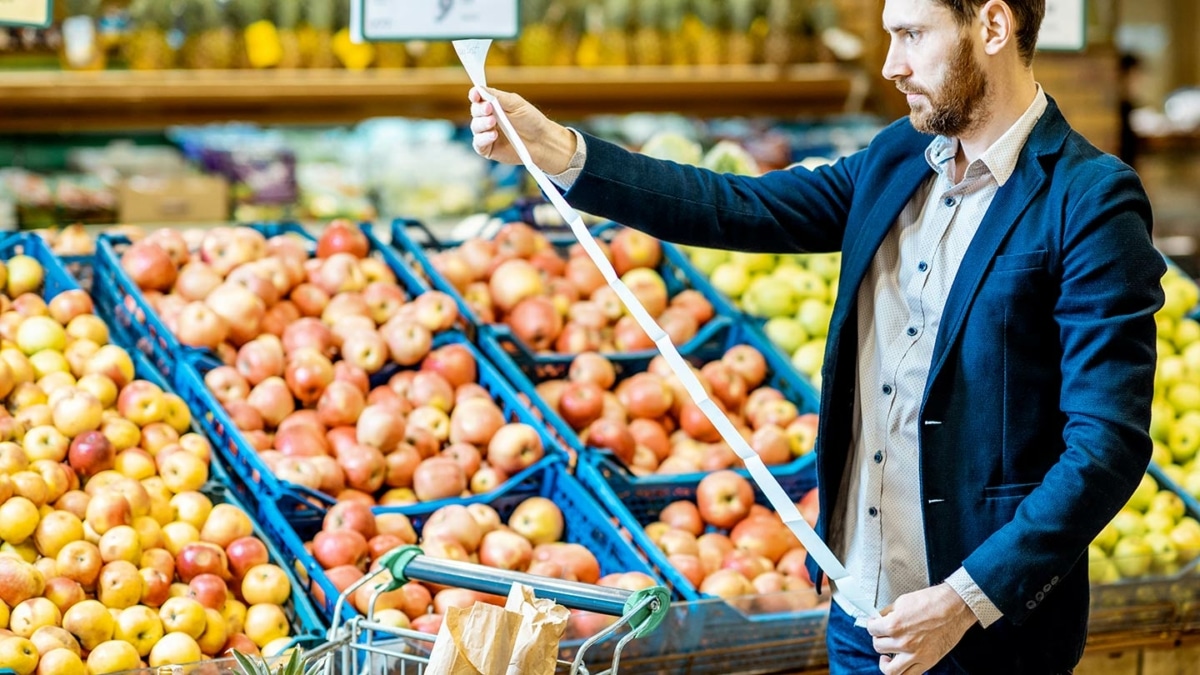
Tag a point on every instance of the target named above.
point(895, 66)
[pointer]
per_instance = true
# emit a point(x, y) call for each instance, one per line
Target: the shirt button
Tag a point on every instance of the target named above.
point(922, 266)
point(879, 457)
point(949, 201)
point(912, 331)
point(872, 511)
point(887, 390)
point(1031, 605)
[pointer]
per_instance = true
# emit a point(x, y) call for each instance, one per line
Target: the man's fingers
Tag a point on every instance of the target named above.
point(886, 645)
point(900, 664)
point(482, 109)
point(482, 124)
point(879, 627)
point(483, 143)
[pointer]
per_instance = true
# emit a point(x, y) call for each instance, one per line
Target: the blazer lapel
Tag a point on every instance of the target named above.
point(1006, 208)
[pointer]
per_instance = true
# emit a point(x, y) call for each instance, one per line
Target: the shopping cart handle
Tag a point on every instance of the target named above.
point(650, 604)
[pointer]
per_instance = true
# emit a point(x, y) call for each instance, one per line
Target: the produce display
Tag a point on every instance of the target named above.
point(1175, 415)
point(649, 422)
point(552, 298)
point(1153, 535)
point(117, 551)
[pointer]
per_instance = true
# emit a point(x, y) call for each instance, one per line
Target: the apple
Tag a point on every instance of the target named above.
point(245, 553)
point(156, 587)
point(438, 478)
point(504, 549)
point(724, 498)
point(265, 623)
point(119, 585)
point(140, 627)
point(514, 448)
point(198, 558)
point(183, 471)
point(209, 590)
point(809, 506)
point(537, 519)
point(183, 615)
point(455, 523)
point(475, 421)
point(612, 435)
point(225, 524)
point(334, 548)
point(365, 467)
point(435, 311)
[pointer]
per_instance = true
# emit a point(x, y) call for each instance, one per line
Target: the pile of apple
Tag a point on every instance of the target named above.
point(111, 555)
point(353, 538)
point(650, 423)
point(238, 285)
point(1150, 536)
point(427, 433)
point(794, 293)
point(1175, 415)
point(727, 546)
point(559, 304)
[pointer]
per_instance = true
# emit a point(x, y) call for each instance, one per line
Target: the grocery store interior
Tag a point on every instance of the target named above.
point(289, 370)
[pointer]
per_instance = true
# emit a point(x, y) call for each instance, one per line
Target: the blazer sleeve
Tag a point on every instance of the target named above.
point(789, 211)
point(1110, 290)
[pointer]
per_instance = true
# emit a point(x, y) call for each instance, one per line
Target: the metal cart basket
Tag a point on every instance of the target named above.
point(361, 645)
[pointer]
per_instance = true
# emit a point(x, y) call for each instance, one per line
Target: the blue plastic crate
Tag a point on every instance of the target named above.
point(584, 523)
point(57, 277)
point(526, 374)
point(135, 323)
point(674, 269)
point(222, 488)
point(300, 503)
point(636, 504)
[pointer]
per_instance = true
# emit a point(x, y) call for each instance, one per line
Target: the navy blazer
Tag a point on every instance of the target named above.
point(1035, 415)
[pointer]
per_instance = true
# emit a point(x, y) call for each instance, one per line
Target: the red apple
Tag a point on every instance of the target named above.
point(149, 266)
point(334, 548)
point(455, 362)
point(514, 448)
point(724, 498)
point(341, 236)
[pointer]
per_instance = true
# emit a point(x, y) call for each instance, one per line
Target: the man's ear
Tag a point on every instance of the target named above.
point(998, 27)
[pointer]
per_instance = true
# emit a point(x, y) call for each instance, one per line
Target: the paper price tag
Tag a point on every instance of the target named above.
point(36, 13)
point(395, 20)
point(473, 54)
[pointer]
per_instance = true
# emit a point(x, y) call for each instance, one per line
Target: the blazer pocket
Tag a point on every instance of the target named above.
point(1009, 491)
point(1021, 261)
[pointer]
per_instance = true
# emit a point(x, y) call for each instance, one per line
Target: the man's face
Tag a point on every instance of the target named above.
point(932, 60)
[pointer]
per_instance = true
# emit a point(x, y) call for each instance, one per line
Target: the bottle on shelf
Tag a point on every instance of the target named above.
point(81, 47)
point(210, 43)
point(147, 46)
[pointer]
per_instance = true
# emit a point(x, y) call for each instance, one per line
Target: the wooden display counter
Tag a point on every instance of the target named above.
point(111, 100)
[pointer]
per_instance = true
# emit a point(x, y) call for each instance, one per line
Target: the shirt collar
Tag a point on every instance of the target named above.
point(1001, 158)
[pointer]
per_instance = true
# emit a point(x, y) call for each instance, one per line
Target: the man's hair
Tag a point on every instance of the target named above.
point(1028, 13)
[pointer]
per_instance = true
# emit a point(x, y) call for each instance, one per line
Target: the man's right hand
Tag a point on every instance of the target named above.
point(550, 144)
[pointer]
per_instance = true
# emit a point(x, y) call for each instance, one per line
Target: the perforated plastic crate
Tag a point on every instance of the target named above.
point(297, 502)
point(57, 277)
point(584, 523)
point(675, 271)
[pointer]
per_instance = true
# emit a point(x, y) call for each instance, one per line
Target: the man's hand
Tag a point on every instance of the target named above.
point(920, 629)
point(550, 144)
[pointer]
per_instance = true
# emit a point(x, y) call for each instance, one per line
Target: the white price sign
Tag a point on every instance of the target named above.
point(1064, 27)
point(37, 13)
point(396, 20)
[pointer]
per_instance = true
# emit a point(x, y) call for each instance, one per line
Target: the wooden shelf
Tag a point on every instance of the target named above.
point(74, 101)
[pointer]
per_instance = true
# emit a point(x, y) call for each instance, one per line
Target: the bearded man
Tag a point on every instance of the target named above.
point(990, 360)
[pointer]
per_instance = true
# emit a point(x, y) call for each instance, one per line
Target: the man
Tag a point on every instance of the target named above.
point(991, 355)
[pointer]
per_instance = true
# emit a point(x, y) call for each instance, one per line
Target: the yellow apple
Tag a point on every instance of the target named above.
point(192, 507)
point(139, 626)
point(393, 617)
point(234, 613)
point(279, 647)
point(25, 551)
point(120, 585)
point(266, 583)
point(175, 649)
point(183, 615)
point(178, 534)
point(135, 463)
point(39, 333)
point(47, 362)
point(121, 543)
point(215, 633)
point(31, 615)
point(48, 638)
point(19, 654)
point(19, 519)
point(265, 623)
point(90, 623)
point(149, 532)
point(183, 471)
point(55, 531)
point(177, 414)
point(112, 657)
point(122, 433)
point(88, 327)
point(61, 662)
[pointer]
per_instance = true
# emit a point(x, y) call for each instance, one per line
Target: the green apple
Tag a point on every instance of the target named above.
point(1165, 328)
point(1166, 554)
point(1181, 296)
point(1191, 358)
point(1176, 473)
point(1187, 331)
point(1168, 503)
point(1129, 523)
point(1191, 483)
point(1157, 522)
point(1186, 536)
point(1184, 396)
point(1160, 455)
point(1183, 440)
point(768, 297)
point(827, 265)
point(1096, 560)
point(39, 333)
point(753, 262)
point(814, 315)
point(1172, 370)
point(731, 279)
point(787, 333)
point(1144, 493)
point(1163, 347)
point(1132, 556)
point(1106, 539)
point(809, 285)
point(707, 259)
point(808, 358)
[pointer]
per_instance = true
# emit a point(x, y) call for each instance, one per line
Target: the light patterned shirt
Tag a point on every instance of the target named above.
point(879, 530)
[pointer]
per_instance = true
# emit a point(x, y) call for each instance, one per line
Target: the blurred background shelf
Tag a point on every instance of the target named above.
point(78, 101)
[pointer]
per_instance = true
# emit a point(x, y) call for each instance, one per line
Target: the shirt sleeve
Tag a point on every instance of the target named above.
point(985, 610)
point(567, 178)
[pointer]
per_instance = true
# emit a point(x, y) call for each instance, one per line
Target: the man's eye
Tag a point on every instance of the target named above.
point(911, 35)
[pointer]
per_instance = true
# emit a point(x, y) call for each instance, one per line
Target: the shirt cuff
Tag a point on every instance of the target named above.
point(567, 178)
point(985, 610)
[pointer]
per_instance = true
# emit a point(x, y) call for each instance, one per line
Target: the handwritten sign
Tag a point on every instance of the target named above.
point(36, 13)
point(398, 20)
point(1064, 28)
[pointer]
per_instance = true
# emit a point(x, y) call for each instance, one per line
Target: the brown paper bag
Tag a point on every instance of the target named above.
point(475, 641)
point(543, 623)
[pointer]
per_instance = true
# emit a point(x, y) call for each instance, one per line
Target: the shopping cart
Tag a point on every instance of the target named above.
point(361, 645)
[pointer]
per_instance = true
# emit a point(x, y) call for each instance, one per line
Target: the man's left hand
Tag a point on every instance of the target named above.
point(920, 629)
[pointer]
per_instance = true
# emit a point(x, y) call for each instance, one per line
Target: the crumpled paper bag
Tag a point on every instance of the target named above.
point(520, 638)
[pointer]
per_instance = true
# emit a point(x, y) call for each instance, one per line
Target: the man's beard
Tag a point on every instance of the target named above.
point(960, 104)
